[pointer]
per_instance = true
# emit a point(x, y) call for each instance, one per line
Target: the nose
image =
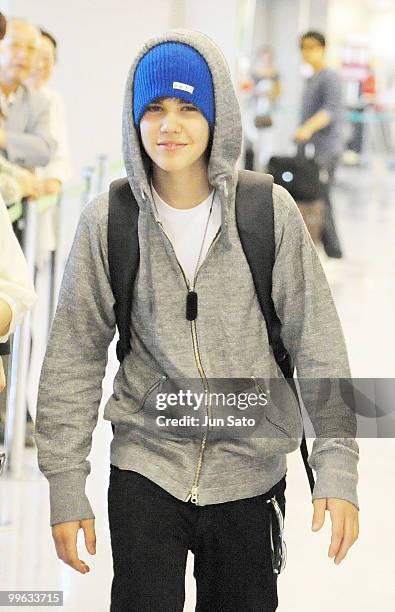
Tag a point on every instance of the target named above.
point(170, 124)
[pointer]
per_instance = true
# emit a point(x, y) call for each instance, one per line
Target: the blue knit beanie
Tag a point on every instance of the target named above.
point(173, 70)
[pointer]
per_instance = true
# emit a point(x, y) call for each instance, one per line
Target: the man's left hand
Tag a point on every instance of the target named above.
point(303, 134)
point(345, 524)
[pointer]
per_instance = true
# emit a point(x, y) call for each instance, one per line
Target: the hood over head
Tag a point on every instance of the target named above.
point(227, 133)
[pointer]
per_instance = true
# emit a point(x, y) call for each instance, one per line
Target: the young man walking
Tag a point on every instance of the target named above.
point(322, 122)
point(194, 316)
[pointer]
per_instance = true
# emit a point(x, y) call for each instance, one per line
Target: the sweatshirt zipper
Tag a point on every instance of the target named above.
point(193, 494)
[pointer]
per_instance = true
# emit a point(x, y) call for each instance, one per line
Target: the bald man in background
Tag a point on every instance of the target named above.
point(25, 132)
point(15, 181)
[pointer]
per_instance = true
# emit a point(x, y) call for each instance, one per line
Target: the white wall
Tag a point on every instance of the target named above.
point(4, 6)
point(218, 20)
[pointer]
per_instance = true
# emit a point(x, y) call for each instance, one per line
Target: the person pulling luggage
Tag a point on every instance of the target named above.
point(322, 117)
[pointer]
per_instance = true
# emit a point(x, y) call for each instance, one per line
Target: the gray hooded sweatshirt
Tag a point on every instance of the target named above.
point(228, 340)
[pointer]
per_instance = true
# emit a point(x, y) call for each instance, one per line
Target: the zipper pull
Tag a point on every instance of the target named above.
point(194, 495)
point(191, 305)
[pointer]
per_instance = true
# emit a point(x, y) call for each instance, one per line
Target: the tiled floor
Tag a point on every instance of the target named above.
point(363, 286)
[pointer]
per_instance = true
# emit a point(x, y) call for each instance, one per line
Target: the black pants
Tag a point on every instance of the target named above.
point(329, 237)
point(152, 531)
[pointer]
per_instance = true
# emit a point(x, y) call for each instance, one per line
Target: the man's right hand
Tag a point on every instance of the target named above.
point(65, 538)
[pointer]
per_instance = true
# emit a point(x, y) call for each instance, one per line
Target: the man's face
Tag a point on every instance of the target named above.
point(312, 51)
point(18, 50)
point(45, 61)
point(175, 134)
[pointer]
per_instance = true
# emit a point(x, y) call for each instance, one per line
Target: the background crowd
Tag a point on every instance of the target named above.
point(34, 164)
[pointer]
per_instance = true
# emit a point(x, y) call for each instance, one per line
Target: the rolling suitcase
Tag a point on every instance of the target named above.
point(301, 177)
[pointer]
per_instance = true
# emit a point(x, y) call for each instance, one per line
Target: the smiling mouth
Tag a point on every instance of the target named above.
point(169, 146)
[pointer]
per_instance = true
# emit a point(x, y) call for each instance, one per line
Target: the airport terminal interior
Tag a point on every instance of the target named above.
point(96, 43)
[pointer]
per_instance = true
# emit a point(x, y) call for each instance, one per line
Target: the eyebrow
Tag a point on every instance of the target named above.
point(179, 101)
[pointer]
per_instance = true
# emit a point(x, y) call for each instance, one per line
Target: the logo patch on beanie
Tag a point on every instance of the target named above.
point(183, 87)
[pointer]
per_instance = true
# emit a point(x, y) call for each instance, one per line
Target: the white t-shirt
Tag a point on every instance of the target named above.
point(185, 229)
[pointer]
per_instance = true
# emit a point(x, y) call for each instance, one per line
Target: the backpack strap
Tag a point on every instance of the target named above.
point(123, 256)
point(255, 223)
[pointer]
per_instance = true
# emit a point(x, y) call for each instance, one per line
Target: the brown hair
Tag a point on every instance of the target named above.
point(317, 36)
point(3, 26)
point(51, 39)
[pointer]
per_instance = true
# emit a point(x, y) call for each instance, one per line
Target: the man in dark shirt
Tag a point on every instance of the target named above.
point(322, 116)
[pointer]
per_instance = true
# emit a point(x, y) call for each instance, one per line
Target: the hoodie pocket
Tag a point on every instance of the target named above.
point(138, 393)
point(281, 413)
point(153, 389)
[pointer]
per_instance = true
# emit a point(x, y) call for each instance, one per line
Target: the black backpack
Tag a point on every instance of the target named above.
point(255, 222)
